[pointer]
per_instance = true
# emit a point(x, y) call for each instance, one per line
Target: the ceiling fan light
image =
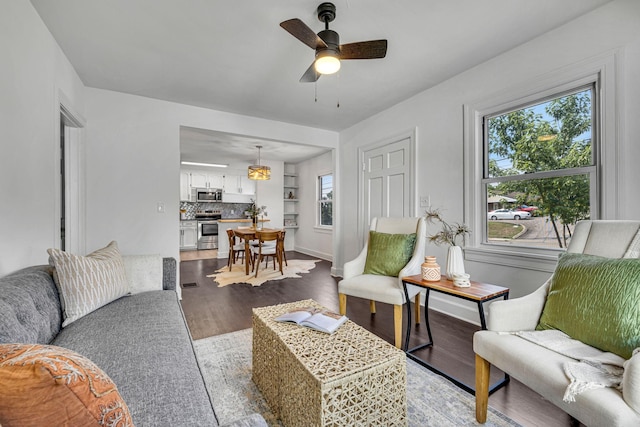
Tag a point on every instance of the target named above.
point(259, 172)
point(327, 64)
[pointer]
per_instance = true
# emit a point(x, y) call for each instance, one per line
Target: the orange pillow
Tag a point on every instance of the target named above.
point(49, 385)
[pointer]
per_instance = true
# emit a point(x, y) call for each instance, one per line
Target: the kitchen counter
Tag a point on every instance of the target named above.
point(241, 220)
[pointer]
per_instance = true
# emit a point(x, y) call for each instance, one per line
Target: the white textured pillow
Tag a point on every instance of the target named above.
point(86, 283)
point(144, 272)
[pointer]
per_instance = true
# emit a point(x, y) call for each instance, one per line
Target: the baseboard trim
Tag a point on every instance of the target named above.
point(311, 252)
point(454, 307)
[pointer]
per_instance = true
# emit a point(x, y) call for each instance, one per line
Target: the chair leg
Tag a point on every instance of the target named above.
point(372, 306)
point(482, 388)
point(343, 303)
point(257, 265)
point(416, 307)
point(230, 260)
point(397, 324)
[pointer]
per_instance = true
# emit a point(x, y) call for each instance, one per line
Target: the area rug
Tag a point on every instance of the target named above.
point(225, 361)
point(294, 268)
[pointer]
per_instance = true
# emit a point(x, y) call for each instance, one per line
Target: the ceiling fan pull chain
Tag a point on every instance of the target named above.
point(315, 90)
point(338, 77)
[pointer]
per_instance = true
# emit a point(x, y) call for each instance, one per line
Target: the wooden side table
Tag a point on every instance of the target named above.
point(478, 292)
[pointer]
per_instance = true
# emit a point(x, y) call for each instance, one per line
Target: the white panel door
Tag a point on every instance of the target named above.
point(386, 183)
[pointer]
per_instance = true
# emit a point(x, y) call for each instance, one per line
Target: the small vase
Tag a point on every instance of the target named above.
point(255, 221)
point(430, 269)
point(455, 262)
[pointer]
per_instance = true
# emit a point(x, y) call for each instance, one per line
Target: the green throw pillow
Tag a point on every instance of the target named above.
point(388, 253)
point(596, 300)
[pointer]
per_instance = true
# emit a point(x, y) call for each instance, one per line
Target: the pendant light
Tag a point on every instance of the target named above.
point(258, 172)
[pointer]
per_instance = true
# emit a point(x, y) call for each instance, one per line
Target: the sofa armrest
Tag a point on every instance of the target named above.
point(519, 314)
point(413, 267)
point(169, 274)
point(631, 381)
point(355, 267)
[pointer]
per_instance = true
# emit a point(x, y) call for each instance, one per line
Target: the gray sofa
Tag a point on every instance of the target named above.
point(141, 341)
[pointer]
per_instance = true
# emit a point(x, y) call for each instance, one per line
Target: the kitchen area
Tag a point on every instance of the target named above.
point(212, 201)
point(216, 191)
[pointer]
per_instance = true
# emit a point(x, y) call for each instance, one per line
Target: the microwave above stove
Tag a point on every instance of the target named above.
point(206, 195)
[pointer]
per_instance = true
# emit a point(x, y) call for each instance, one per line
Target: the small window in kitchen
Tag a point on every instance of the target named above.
point(325, 201)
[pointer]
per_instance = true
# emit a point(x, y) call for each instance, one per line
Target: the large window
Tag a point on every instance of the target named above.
point(325, 201)
point(549, 146)
point(539, 173)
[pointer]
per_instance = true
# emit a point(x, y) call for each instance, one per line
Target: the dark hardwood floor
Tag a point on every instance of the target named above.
point(210, 310)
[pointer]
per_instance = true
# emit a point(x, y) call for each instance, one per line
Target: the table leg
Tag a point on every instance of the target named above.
point(409, 351)
point(410, 325)
point(483, 322)
point(247, 255)
point(408, 333)
point(426, 316)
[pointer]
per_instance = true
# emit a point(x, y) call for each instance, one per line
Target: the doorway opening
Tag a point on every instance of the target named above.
point(71, 190)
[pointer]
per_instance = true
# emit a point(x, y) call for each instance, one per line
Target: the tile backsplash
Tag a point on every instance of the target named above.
point(228, 210)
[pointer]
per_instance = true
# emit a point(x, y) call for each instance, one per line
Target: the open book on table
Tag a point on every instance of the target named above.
point(314, 318)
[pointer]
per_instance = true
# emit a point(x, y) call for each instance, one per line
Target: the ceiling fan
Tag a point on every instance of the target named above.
point(329, 51)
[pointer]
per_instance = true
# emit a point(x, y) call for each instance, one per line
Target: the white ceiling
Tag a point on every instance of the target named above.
point(201, 145)
point(233, 56)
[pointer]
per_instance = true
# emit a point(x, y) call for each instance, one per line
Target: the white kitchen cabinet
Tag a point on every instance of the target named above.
point(199, 179)
point(239, 184)
point(215, 180)
point(247, 185)
point(232, 184)
point(188, 235)
point(185, 187)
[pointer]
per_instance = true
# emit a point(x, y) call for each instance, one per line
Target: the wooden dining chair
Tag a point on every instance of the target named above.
point(284, 254)
point(269, 245)
point(235, 249)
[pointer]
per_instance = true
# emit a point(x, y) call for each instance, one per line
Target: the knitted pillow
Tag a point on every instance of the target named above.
point(595, 300)
point(86, 283)
point(387, 254)
point(49, 385)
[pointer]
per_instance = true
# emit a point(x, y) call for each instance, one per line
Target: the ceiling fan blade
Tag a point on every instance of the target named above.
point(364, 50)
point(299, 30)
point(311, 75)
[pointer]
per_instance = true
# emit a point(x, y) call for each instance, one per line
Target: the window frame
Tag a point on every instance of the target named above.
point(590, 170)
point(319, 201)
point(602, 73)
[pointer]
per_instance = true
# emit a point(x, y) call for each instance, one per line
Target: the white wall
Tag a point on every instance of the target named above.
point(310, 239)
point(269, 193)
point(133, 163)
point(438, 115)
point(33, 74)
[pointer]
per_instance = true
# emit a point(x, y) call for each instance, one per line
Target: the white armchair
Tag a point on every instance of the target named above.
point(386, 289)
point(541, 369)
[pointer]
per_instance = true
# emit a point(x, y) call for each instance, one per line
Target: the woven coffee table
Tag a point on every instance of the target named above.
point(309, 378)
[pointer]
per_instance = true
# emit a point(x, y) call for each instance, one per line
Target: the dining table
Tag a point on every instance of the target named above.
point(248, 234)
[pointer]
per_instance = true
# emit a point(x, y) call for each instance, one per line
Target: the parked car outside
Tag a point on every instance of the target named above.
point(526, 208)
point(508, 214)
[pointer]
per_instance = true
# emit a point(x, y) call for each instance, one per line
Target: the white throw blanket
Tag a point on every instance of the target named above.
point(593, 368)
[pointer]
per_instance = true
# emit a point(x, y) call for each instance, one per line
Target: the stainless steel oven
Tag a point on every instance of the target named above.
point(207, 234)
